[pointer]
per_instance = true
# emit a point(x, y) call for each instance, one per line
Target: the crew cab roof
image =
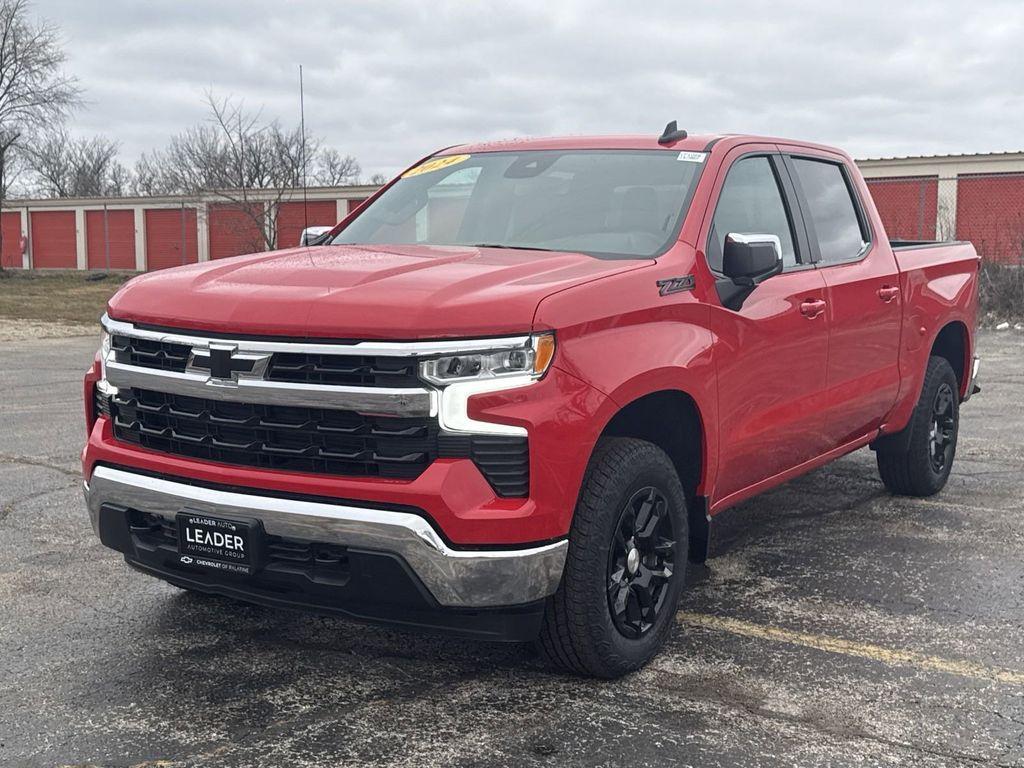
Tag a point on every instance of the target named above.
point(693, 143)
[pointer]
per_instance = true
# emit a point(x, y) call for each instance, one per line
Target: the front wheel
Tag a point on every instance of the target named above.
point(625, 566)
point(919, 464)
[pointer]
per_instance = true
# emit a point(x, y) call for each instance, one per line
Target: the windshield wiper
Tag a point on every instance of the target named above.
point(512, 247)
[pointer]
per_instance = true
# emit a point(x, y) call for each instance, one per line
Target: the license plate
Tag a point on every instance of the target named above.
point(214, 543)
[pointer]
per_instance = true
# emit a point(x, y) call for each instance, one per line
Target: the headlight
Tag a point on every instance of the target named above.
point(531, 359)
point(104, 351)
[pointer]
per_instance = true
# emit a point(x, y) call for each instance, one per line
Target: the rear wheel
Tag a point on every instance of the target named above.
point(919, 464)
point(624, 570)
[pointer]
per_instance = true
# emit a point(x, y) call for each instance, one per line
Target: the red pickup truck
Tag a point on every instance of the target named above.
point(508, 395)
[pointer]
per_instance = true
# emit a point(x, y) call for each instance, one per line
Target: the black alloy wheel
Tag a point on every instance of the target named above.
point(641, 561)
point(942, 430)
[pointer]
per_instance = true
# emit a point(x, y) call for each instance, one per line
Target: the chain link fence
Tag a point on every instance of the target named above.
point(986, 209)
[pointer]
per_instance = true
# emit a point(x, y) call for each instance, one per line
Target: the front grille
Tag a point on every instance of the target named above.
point(347, 370)
point(318, 441)
point(147, 353)
point(291, 367)
point(275, 437)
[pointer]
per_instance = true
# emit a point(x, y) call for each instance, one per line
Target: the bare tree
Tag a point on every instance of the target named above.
point(333, 169)
point(65, 166)
point(378, 179)
point(148, 177)
point(34, 91)
point(14, 168)
point(250, 154)
point(244, 160)
point(119, 180)
point(194, 161)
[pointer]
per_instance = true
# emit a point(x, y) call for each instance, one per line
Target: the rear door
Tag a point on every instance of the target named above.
point(771, 353)
point(863, 295)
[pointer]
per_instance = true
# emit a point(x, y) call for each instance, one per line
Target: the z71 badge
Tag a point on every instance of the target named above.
point(675, 285)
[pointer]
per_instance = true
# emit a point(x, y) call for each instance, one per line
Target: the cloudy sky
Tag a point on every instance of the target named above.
point(391, 81)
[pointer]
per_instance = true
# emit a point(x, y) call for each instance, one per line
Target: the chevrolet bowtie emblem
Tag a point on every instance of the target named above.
point(226, 364)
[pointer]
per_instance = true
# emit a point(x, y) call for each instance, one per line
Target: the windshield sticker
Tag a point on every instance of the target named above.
point(692, 157)
point(436, 165)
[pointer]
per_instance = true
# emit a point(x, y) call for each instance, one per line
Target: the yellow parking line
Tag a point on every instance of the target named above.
point(851, 648)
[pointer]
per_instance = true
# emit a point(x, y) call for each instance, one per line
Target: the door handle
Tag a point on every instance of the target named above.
point(888, 292)
point(811, 308)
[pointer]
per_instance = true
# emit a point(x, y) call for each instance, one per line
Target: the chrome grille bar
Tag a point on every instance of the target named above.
point(382, 348)
point(369, 401)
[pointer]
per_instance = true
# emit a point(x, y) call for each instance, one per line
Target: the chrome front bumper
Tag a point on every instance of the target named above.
point(456, 578)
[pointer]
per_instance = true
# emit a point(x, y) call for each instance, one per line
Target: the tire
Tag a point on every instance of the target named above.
point(917, 462)
point(615, 607)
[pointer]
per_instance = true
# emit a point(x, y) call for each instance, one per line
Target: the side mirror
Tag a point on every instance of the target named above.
point(310, 235)
point(749, 260)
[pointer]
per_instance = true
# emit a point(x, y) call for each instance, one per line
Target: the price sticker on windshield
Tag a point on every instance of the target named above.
point(692, 157)
point(436, 165)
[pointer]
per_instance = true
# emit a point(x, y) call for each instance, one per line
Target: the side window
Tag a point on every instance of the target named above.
point(750, 204)
point(831, 209)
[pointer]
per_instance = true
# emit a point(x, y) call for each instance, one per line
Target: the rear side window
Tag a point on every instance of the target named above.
point(750, 204)
point(831, 209)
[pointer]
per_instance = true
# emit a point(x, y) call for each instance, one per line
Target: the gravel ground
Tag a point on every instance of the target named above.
point(24, 330)
point(835, 625)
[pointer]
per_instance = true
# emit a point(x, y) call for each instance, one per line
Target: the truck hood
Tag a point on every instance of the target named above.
point(361, 292)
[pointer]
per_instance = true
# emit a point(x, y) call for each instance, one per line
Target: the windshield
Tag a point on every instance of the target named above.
point(608, 203)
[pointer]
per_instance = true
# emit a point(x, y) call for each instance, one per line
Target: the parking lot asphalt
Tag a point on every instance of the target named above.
point(835, 625)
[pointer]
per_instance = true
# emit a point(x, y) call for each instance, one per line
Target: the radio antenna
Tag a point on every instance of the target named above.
point(302, 131)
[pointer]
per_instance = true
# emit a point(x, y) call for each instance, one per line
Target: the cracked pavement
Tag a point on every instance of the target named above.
point(835, 625)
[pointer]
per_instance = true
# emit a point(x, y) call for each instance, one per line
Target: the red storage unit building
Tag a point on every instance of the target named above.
point(11, 254)
point(53, 239)
point(119, 230)
point(290, 219)
point(234, 231)
point(171, 237)
point(976, 197)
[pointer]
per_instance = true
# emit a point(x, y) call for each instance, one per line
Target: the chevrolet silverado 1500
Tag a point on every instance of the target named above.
point(507, 395)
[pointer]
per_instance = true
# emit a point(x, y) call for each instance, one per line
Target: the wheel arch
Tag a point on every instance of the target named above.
point(672, 420)
point(953, 343)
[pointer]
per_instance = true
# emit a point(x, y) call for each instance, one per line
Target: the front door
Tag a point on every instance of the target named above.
point(772, 352)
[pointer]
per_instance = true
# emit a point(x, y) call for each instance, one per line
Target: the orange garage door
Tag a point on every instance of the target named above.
point(112, 238)
point(11, 255)
point(233, 231)
point(171, 238)
point(290, 219)
point(53, 239)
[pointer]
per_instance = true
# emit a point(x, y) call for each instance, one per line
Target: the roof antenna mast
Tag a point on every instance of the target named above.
point(302, 131)
point(672, 134)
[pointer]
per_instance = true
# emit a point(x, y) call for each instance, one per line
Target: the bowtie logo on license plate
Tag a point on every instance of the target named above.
point(226, 364)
